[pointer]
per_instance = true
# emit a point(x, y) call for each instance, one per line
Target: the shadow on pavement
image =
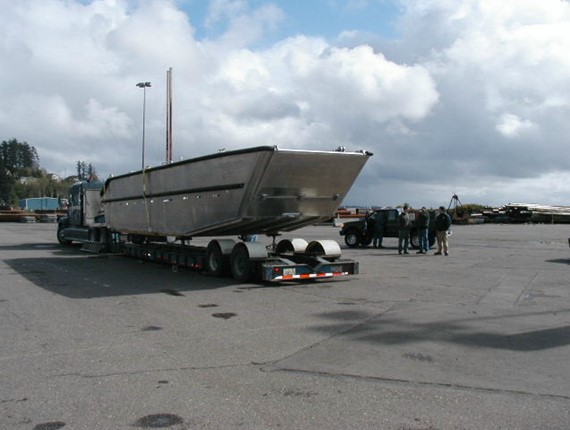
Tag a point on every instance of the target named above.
point(560, 260)
point(83, 276)
point(75, 274)
point(361, 326)
point(35, 246)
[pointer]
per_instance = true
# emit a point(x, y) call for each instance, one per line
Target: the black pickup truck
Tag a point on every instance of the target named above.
point(360, 232)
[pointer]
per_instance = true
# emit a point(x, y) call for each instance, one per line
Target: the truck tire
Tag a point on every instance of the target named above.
point(414, 239)
point(61, 237)
point(431, 239)
point(352, 239)
point(241, 266)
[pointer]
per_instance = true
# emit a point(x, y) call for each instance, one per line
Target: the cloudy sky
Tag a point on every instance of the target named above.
point(466, 97)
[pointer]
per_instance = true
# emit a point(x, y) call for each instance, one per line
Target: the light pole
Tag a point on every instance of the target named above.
point(144, 86)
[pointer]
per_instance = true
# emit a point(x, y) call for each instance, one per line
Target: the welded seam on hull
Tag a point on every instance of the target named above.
point(177, 193)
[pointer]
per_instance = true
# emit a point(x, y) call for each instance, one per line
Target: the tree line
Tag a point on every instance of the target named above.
point(21, 176)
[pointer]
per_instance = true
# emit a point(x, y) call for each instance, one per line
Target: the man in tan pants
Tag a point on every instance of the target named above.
point(442, 224)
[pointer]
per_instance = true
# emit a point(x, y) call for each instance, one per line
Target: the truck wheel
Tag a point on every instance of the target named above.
point(242, 267)
point(216, 264)
point(431, 238)
point(352, 239)
point(61, 237)
point(414, 240)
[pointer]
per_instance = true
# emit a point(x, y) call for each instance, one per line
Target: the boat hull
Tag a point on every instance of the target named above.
point(262, 190)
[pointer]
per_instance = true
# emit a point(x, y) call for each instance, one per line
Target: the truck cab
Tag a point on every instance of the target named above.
point(360, 232)
point(85, 219)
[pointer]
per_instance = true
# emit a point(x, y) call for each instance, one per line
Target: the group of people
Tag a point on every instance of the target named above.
point(442, 223)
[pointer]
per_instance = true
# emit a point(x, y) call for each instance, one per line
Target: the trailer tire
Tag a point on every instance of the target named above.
point(241, 265)
point(137, 239)
point(324, 248)
point(216, 263)
point(291, 246)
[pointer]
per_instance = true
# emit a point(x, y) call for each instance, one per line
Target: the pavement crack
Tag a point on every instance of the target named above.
point(420, 383)
point(150, 371)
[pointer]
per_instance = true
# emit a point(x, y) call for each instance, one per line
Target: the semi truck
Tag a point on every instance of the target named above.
point(154, 214)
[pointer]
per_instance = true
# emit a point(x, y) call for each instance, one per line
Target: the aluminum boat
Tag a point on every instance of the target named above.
point(260, 190)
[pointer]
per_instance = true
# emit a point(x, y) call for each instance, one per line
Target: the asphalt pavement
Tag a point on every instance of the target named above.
point(479, 339)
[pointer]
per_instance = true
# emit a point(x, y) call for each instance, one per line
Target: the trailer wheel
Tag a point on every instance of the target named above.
point(290, 246)
point(137, 239)
point(352, 239)
point(216, 263)
point(241, 266)
point(324, 248)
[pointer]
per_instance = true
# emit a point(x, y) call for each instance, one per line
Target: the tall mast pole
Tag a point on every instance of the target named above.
point(169, 115)
point(144, 86)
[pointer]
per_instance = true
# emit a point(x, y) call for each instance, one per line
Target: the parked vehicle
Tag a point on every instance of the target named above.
point(360, 232)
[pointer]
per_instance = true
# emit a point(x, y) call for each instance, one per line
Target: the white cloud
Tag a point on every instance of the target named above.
point(225, 9)
point(244, 26)
point(512, 126)
point(366, 85)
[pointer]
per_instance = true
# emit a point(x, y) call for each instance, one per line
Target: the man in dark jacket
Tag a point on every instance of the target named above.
point(423, 223)
point(378, 233)
point(404, 225)
point(442, 224)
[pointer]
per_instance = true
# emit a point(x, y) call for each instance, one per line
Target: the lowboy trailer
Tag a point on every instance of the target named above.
point(246, 261)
